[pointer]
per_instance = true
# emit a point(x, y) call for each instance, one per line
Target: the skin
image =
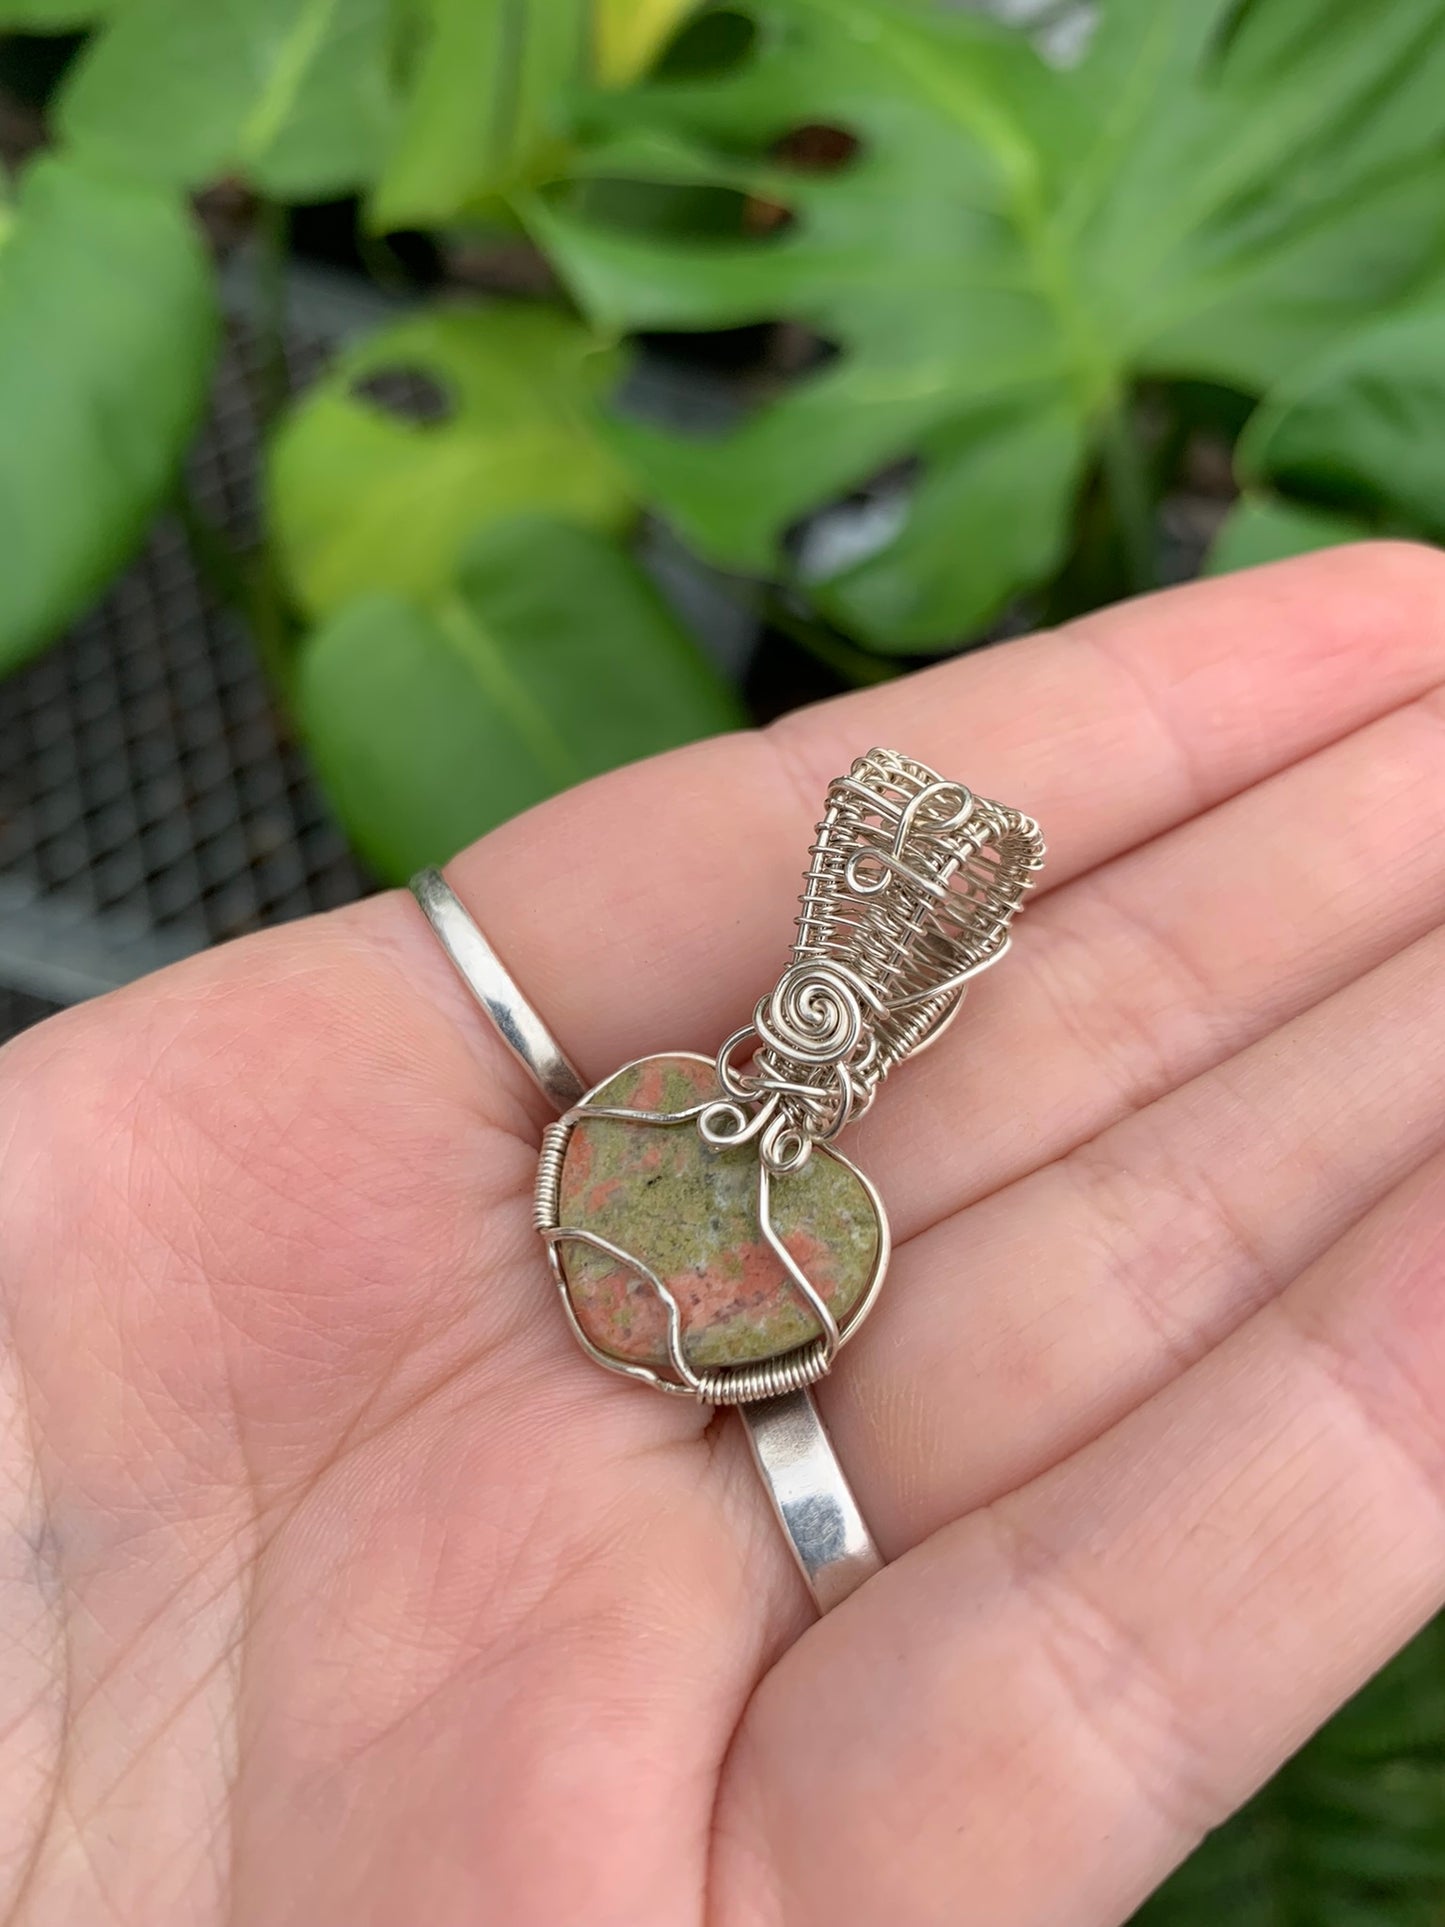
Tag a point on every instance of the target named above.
point(337, 1587)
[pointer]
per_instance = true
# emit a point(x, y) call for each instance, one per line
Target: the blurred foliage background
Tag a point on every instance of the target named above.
point(911, 327)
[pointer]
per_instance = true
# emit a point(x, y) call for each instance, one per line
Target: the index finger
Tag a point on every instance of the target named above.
point(649, 909)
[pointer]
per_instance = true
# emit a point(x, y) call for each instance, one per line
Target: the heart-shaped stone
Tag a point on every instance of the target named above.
point(689, 1212)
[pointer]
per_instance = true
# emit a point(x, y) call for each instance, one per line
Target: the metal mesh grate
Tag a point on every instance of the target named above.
point(150, 799)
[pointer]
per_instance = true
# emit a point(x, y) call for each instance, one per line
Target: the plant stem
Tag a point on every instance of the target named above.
point(1131, 497)
point(236, 581)
point(218, 562)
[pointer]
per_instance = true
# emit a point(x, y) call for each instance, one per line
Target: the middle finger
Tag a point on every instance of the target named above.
point(1146, 972)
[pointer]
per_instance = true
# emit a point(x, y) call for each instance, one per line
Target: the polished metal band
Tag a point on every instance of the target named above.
point(790, 1444)
point(495, 989)
point(813, 1500)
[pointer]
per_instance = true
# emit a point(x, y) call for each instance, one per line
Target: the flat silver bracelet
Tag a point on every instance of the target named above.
point(704, 1237)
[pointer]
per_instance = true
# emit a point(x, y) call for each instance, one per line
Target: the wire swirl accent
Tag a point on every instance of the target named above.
point(911, 885)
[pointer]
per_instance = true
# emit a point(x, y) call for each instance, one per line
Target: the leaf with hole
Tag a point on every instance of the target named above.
point(365, 495)
point(1217, 191)
point(107, 335)
point(293, 96)
point(549, 660)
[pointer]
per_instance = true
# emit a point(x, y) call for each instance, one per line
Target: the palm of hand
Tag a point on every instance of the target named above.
point(336, 1587)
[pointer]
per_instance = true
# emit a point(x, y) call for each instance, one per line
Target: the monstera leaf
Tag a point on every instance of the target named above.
point(1003, 252)
point(107, 331)
point(1349, 445)
point(1362, 427)
point(627, 33)
point(486, 105)
point(1350, 1834)
point(363, 497)
point(483, 113)
point(550, 659)
point(292, 95)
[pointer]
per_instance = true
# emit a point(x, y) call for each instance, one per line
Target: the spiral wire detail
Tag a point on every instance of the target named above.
point(911, 886)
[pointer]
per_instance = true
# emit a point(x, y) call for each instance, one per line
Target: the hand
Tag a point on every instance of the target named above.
point(336, 1586)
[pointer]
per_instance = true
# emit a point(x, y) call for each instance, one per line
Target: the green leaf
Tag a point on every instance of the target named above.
point(1001, 492)
point(362, 498)
point(1362, 427)
point(1216, 192)
point(1264, 528)
point(292, 95)
point(487, 105)
point(107, 332)
point(52, 16)
point(552, 659)
point(628, 33)
point(1350, 1834)
point(483, 109)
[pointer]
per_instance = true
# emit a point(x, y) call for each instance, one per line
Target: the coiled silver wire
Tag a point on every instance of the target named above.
point(911, 885)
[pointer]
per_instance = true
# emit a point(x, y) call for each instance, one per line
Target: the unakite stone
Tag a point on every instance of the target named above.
point(689, 1212)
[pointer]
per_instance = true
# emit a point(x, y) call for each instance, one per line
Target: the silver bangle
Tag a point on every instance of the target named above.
point(496, 990)
point(729, 1262)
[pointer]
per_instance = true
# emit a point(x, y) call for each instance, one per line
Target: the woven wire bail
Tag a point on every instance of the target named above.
point(912, 882)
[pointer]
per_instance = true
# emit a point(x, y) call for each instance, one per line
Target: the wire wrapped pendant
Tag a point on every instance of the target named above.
point(705, 1236)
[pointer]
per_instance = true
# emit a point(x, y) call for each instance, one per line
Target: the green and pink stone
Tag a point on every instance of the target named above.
point(689, 1212)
